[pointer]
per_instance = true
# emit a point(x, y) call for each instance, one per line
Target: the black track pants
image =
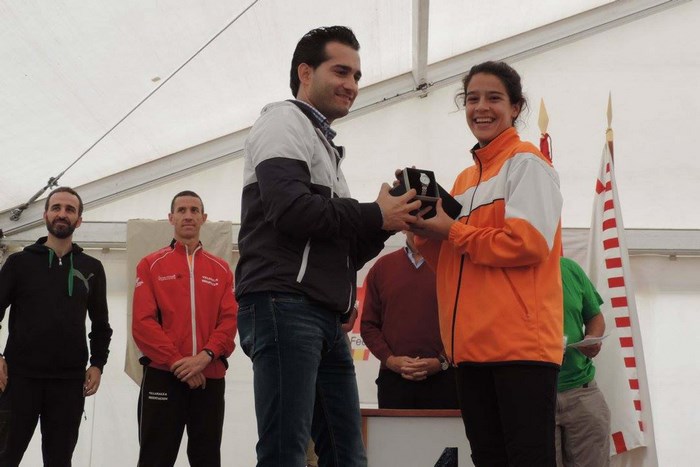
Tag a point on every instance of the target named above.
point(58, 402)
point(166, 406)
point(508, 412)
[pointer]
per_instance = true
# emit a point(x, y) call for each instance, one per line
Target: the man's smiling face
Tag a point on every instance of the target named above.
point(332, 86)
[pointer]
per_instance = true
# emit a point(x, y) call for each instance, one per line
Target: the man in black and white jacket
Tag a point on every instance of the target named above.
point(302, 239)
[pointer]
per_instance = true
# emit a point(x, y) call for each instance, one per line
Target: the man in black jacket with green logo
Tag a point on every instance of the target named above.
point(50, 287)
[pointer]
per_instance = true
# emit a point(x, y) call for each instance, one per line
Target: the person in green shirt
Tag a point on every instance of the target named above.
point(582, 416)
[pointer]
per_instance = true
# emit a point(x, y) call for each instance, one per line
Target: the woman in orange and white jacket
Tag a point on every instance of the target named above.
point(498, 279)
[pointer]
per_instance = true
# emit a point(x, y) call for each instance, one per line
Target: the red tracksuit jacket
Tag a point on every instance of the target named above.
point(179, 309)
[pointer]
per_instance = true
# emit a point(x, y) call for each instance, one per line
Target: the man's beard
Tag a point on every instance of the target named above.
point(60, 230)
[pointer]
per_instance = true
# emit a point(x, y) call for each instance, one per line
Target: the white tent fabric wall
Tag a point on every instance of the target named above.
point(668, 304)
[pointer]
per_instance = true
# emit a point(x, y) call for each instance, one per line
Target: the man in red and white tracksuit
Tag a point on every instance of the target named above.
point(184, 323)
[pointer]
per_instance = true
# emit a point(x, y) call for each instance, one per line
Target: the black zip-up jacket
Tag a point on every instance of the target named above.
point(300, 230)
point(48, 299)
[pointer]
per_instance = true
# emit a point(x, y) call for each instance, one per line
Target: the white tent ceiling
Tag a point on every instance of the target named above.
point(73, 70)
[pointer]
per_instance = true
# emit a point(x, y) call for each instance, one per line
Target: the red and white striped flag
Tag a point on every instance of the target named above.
point(609, 270)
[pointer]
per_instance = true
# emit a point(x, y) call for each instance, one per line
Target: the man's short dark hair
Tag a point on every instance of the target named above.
point(65, 189)
point(311, 49)
point(185, 193)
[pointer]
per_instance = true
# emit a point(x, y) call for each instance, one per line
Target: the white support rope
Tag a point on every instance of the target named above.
point(53, 181)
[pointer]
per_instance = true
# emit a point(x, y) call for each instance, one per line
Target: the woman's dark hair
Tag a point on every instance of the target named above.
point(311, 49)
point(504, 72)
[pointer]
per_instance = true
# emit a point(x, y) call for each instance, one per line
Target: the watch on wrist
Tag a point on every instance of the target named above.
point(210, 353)
point(444, 364)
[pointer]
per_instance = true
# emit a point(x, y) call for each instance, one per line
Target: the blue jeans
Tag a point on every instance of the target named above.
point(304, 381)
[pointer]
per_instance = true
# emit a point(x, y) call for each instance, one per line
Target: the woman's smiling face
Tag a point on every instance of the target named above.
point(488, 107)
